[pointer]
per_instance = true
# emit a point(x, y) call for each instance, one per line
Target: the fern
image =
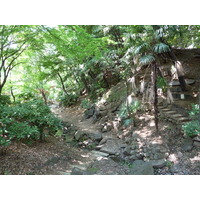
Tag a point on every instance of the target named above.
point(141, 48)
point(147, 59)
point(161, 48)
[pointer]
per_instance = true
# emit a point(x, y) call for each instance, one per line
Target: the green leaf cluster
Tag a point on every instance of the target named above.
point(27, 121)
point(192, 128)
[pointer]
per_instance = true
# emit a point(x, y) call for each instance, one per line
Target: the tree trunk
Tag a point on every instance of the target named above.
point(1, 89)
point(62, 83)
point(44, 96)
point(155, 94)
point(12, 94)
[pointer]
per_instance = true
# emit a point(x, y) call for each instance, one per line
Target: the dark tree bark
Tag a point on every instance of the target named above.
point(62, 83)
point(43, 93)
point(155, 94)
point(12, 94)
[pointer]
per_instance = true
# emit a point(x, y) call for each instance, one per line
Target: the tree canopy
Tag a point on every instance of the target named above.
point(75, 58)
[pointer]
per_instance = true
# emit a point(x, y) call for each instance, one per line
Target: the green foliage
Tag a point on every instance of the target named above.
point(162, 83)
point(169, 164)
point(192, 128)
point(147, 59)
point(161, 48)
point(85, 103)
point(195, 111)
point(27, 121)
point(126, 111)
point(5, 100)
point(25, 96)
point(69, 100)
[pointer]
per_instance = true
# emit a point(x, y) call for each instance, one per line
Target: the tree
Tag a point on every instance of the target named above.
point(14, 41)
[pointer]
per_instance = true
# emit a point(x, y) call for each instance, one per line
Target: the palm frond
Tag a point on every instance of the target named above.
point(161, 48)
point(141, 48)
point(147, 59)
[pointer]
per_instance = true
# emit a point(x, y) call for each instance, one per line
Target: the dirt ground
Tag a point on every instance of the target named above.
point(56, 156)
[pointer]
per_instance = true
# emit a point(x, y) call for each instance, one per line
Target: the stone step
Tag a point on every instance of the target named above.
point(177, 116)
point(166, 109)
point(170, 112)
point(183, 119)
point(99, 153)
point(173, 115)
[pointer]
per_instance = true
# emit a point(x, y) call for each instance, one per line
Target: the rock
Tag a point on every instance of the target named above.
point(127, 151)
point(140, 156)
point(103, 141)
point(102, 108)
point(111, 147)
point(107, 127)
point(107, 166)
point(99, 154)
point(86, 142)
point(197, 138)
point(158, 163)
point(89, 112)
point(98, 147)
point(196, 144)
point(179, 154)
point(77, 171)
point(96, 136)
point(187, 144)
point(123, 145)
point(140, 167)
point(103, 113)
point(133, 158)
point(156, 151)
point(134, 145)
point(79, 134)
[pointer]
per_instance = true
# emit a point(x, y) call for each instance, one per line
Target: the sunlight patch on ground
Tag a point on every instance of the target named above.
point(151, 123)
point(173, 158)
point(85, 156)
point(195, 159)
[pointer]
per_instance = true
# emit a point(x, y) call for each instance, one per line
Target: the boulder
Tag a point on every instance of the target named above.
point(196, 144)
point(127, 151)
point(89, 112)
point(111, 147)
point(187, 144)
point(197, 138)
point(107, 127)
point(139, 167)
point(96, 136)
point(99, 154)
point(79, 134)
point(158, 163)
point(77, 171)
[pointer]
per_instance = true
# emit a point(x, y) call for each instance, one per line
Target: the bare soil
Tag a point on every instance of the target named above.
point(56, 156)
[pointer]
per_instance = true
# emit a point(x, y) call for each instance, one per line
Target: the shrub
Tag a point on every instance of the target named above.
point(25, 96)
point(85, 103)
point(5, 100)
point(192, 128)
point(27, 121)
point(194, 112)
point(126, 111)
point(69, 100)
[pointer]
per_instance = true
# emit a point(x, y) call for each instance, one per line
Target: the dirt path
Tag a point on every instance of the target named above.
point(55, 156)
